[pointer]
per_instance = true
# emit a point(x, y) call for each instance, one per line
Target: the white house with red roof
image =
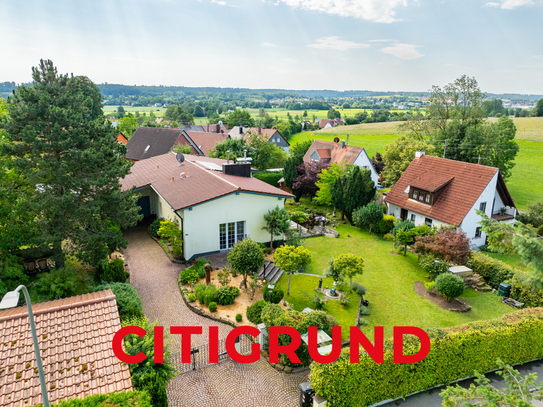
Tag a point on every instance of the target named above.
point(269, 135)
point(216, 203)
point(440, 192)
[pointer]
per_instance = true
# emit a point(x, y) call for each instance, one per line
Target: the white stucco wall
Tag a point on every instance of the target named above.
point(201, 224)
point(364, 161)
point(419, 218)
point(471, 221)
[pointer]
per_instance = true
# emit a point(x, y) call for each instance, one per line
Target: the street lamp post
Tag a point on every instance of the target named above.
point(10, 300)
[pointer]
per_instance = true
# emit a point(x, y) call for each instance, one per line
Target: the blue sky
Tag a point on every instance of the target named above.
point(293, 44)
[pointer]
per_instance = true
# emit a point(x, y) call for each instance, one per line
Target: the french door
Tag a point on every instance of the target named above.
point(230, 233)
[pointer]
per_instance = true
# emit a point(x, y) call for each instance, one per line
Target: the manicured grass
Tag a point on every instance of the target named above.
point(299, 284)
point(390, 280)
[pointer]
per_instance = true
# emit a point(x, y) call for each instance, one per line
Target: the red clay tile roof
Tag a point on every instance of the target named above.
point(199, 185)
point(74, 336)
point(206, 141)
point(467, 183)
point(347, 154)
point(121, 138)
point(265, 134)
point(324, 153)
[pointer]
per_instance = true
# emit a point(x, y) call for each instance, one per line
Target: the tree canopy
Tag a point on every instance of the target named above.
point(349, 265)
point(62, 146)
point(277, 222)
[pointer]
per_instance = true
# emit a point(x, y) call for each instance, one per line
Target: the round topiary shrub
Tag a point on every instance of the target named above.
point(212, 306)
point(192, 297)
point(449, 285)
point(238, 317)
point(388, 237)
point(275, 296)
point(189, 276)
point(254, 312)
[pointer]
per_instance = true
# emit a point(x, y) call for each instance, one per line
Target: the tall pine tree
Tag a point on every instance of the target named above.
point(61, 144)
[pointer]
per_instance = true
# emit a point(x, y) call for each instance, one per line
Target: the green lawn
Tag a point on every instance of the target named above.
point(390, 280)
point(345, 315)
point(513, 260)
point(526, 181)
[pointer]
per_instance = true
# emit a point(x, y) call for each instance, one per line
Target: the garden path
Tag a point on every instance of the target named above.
point(224, 384)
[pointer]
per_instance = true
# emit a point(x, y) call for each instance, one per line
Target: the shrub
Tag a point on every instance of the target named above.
point(269, 177)
point(359, 289)
point(362, 321)
point(386, 224)
point(155, 226)
point(235, 291)
point(199, 266)
point(120, 399)
point(112, 272)
point(388, 237)
point(239, 317)
point(275, 296)
point(192, 297)
point(540, 230)
point(430, 285)
point(364, 310)
point(299, 217)
point(171, 231)
point(429, 265)
point(344, 299)
point(189, 276)
point(493, 271)
point(458, 351)
point(225, 296)
point(449, 285)
point(446, 244)
point(212, 306)
point(127, 297)
point(154, 386)
point(210, 294)
point(254, 312)
point(331, 320)
point(58, 283)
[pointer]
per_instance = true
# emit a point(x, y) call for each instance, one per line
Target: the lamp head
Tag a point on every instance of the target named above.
point(10, 300)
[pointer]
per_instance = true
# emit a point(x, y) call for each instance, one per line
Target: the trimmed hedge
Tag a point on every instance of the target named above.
point(494, 271)
point(269, 177)
point(127, 297)
point(521, 290)
point(455, 353)
point(121, 399)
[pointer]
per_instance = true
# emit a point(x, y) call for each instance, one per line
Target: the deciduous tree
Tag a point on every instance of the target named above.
point(349, 265)
point(400, 154)
point(306, 182)
point(290, 259)
point(447, 243)
point(368, 216)
point(246, 258)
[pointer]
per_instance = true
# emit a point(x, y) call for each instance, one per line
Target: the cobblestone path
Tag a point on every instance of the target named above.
point(225, 384)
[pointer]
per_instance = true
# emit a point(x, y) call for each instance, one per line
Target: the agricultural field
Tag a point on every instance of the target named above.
point(281, 113)
point(525, 184)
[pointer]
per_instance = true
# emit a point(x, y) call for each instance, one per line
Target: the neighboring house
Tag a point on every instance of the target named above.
point(327, 123)
point(204, 141)
point(147, 142)
point(214, 202)
point(340, 153)
point(74, 337)
point(440, 192)
point(270, 135)
point(214, 128)
point(191, 128)
point(121, 139)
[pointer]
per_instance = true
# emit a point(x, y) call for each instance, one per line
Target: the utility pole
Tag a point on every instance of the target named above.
point(445, 148)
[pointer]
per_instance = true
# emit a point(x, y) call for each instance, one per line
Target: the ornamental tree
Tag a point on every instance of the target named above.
point(246, 258)
point(349, 265)
point(368, 216)
point(277, 222)
point(290, 259)
point(306, 182)
point(447, 244)
point(61, 144)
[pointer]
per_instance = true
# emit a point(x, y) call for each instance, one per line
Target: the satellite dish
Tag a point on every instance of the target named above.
point(336, 140)
point(180, 158)
point(220, 122)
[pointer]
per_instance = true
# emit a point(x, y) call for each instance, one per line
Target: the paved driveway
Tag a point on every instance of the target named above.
point(225, 384)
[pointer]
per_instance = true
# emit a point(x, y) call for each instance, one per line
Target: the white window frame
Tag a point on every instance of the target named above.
point(233, 233)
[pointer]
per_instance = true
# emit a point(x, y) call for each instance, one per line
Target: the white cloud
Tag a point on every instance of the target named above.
point(403, 51)
point(219, 2)
point(512, 4)
point(336, 43)
point(383, 41)
point(381, 11)
point(268, 44)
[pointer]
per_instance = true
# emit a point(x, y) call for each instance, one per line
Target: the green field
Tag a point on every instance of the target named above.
point(525, 184)
point(319, 114)
point(389, 279)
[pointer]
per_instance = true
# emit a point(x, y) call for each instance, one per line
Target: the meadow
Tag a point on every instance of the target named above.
point(525, 183)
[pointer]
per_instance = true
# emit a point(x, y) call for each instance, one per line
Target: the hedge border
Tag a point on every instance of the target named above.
point(456, 353)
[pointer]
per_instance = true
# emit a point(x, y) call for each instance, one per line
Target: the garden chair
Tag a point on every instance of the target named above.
point(43, 266)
